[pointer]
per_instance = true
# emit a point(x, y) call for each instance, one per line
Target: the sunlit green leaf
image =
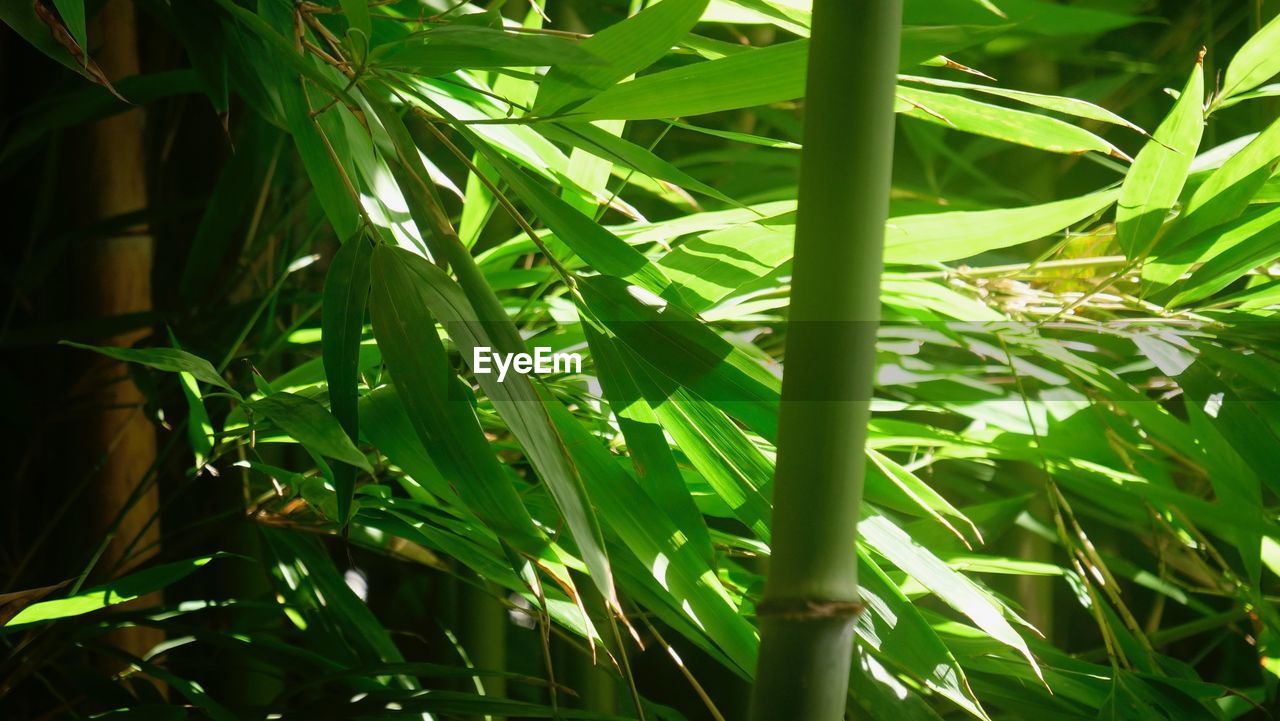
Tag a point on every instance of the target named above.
point(312, 425)
point(126, 588)
point(1154, 181)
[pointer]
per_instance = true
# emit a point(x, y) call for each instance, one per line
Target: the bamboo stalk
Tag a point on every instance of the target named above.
point(482, 629)
point(115, 279)
point(811, 595)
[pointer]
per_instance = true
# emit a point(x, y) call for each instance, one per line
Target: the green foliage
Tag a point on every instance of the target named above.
point(1070, 507)
point(120, 590)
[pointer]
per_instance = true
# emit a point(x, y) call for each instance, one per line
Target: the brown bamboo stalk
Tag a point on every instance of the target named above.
point(115, 279)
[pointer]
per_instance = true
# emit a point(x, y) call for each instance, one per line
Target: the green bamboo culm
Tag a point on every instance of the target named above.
point(810, 599)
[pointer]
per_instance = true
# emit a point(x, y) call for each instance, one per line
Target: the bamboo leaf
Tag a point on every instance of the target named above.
point(610, 147)
point(589, 173)
point(438, 405)
point(120, 590)
point(654, 463)
point(199, 427)
point(921, 496)
point(603, 250)
point(1056, 103)
point(629, 46)
point(1227, 254)
point(386, 423)
point(313, 149)
point(682, 349)
point(746, 79)
point(36, 24)
point(994, 121)
point(357, 12)
point(689, 586)
point(711, 266)
point(281, 49)
point(346, 292)
point(1154, 181)
point(962, 234)
point(1235, 485)
point(522, 405)
point(758, 77)
point(892, 626)
point(164, 359)
point(1036, 17)
point(72, 14)
point(734, 468)
point(951, 587)
point(445, 49)
point(728, 461)
point(1219, 199)
point(308, 579)
point(311, 424)
point(1255, 63)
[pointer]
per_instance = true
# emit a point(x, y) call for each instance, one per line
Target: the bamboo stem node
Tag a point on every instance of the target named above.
point(808, 609)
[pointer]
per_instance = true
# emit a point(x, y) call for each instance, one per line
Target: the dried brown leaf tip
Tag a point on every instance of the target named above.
point(953, 65)
point(63, 37)
point(1120, 154)
point(11, 604)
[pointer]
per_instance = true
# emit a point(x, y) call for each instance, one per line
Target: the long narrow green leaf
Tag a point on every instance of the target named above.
point(610, 147)
point(385, 422)
point(951, 587)
point(759, 77)
point(357, 12)
point(314, 585)
point(937, 237)
point(522, 405)
point(711, 266)
point(628, 46)
point(326, 176)
point(994, 121)
point(281, 48)
point(312, 425)
point(1056, 103)
point(893, 627)
point(691, 588)
point(603, 250)
point(1220, 198)
point(1229, 253)
point(165, 359)
point(120, 590)
point(588, 173)
point(1158, 173)
point(687, 352)
point(655, 466)
point(346, 292)
point(437, 403)
point(920, 495)
point(722, 454)
point(444, 49)
point(31, 22)
point(1255, 63)
point(746, 79)
point(72, 14)
point(199, 427)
